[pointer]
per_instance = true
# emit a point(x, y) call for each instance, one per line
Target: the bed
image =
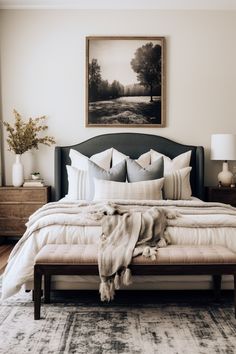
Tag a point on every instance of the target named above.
point(221, 229)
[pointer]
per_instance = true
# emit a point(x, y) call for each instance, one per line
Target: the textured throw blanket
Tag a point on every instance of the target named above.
point(125, 236)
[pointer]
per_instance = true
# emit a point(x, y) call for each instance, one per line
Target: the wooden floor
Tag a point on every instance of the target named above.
point(5, 250)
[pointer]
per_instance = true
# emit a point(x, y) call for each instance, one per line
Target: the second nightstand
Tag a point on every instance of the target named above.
point(225, 195)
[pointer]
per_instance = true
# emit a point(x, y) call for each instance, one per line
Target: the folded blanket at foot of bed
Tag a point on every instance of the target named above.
point(125, 236)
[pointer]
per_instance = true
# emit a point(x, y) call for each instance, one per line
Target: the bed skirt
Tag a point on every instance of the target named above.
point(181, 282)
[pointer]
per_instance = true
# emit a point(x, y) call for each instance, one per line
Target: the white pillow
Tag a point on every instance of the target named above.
point(144, 190)
point(78, 183)
point(117, 157)
point(144, 160)
point(177, 184)
point(180, 161)
point(80, 161)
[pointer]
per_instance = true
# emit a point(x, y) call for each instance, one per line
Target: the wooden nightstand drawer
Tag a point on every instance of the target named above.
point(12, 226)
point(225, 195)
point(17, 204)
point(24, 194)
point(18, 210)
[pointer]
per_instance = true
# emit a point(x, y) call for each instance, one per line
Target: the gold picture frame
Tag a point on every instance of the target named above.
point(125, 81)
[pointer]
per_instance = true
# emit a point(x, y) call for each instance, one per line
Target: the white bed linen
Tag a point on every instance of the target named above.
point(20, 267)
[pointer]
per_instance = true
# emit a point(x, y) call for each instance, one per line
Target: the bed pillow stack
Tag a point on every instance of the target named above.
point(155, 165)
point(145, 181)
point(94, 178)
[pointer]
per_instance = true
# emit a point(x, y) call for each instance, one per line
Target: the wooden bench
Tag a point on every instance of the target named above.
point(172, 260)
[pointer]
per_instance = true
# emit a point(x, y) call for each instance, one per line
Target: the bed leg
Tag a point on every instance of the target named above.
point(47, 288)
point(217, 286)
point(37, 292)
point(235, 295)
point(33, 294)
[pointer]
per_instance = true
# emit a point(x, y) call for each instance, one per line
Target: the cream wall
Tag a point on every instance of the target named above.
point(43, 72)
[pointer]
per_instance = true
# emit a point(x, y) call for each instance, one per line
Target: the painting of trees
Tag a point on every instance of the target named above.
point(147, 64)
point(125, 85)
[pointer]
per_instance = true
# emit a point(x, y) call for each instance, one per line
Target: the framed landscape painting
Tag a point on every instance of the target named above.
point(125, 79)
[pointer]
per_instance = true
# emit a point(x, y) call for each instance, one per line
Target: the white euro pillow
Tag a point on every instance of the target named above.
point(179, 162)
point(80, 161)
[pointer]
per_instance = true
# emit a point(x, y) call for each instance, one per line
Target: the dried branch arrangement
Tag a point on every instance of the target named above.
point(24, 136)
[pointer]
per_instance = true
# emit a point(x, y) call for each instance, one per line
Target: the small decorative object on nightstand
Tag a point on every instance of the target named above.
point(35, 175)
point(225, 195)
point(223, 147)
point(17, 204)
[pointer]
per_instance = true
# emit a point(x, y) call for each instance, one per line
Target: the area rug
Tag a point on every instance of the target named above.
point(134, 323)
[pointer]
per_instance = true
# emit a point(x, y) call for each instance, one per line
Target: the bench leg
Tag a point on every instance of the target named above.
point(47, 288)
point(217, 286)
point(37, 292)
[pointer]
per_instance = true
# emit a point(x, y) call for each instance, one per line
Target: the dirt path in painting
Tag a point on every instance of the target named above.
point(126, 110)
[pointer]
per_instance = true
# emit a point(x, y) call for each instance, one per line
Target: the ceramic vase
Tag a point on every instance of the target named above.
point(225, 176)
point(17, 172)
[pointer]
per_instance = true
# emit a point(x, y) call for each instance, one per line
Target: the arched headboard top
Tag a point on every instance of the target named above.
point(133, 145)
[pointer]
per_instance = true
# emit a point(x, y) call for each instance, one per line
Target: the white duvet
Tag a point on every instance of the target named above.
point(198, 223)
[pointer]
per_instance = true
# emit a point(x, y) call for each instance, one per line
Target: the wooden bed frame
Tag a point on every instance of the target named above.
point(133, 145)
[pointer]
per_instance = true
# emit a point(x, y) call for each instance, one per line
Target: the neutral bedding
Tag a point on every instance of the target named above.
point(67, 222)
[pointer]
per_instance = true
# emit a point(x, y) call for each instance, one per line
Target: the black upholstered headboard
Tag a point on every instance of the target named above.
point(133, 145)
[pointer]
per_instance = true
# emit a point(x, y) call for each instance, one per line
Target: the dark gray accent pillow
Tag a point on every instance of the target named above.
point(136, 173)
point(116, 173)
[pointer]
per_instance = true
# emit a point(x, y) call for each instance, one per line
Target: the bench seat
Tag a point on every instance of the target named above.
point(64, 259)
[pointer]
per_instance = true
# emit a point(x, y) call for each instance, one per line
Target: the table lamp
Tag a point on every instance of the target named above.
point(223, 147)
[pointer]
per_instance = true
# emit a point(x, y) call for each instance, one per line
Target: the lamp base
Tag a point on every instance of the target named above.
point(225, 176)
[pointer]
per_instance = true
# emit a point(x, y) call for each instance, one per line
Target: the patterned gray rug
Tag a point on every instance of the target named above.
point(134, 323)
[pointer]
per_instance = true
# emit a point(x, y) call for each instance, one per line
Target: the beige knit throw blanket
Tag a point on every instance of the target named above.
point(125, 236)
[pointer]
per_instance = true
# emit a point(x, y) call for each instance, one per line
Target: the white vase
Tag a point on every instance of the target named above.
point(225, 176)
point(17, 172)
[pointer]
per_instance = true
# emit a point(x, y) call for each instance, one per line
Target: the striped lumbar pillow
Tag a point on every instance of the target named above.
point(177, 184)
point(145, 190)
point(78, 183)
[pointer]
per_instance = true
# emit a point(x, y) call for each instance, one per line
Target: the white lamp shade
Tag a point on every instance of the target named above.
point(223, 147)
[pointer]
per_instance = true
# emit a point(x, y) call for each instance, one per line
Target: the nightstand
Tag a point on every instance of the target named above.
point(17, 204)
point(225, 195)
